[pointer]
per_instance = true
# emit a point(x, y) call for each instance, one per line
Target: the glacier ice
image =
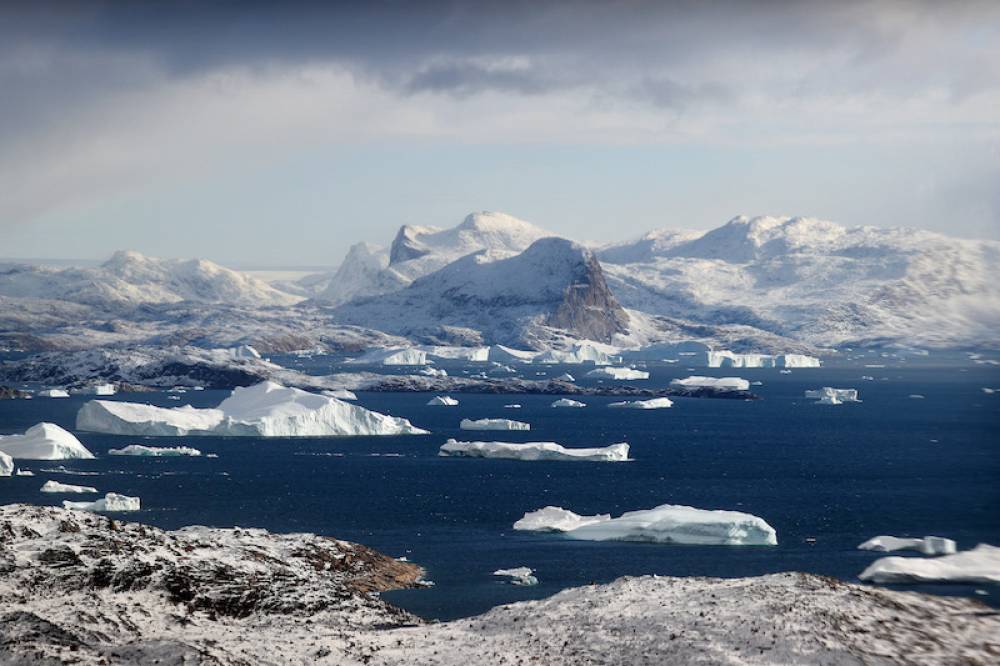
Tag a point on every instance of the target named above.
point(267, 409)
point(533, 451)
point(566, 402)
point(581, 352)
point(833, 396)
point(652, 403)
point(6, 464)
point(718, 383)
point(154, 451)
point(44, 441)
point(442, 401)
point(112, 502)
point(493, 424)
point(518, 575)
point(928, 545)
point(56, 487)
point(979, 565)
point(667, 523)
point(618, 373)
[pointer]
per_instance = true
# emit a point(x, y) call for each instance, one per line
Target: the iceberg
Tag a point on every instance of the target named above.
point(110, 502)
point(449, 353)
point(22, 472)
point(581, 352)
point(928, 545)
point(728, 359)
point(56, 487)
point(512, 406)
point(627, 374)
point(518, 575)
point(566, 402)
point(267, 409)
point(718, 383)
point(44, 441)
point(534, 451)
point(442, 401)
point(493, 424)
point(565, 377)
point(502, 354)
point(6, 464)
point(979, 565)
point(340, 394)
point(668, 523)
point(97, 389)
point(653, 403)
point(833, 396)
point(154, 451)
point(393, 356)
point(53, 393)
point(434, 372)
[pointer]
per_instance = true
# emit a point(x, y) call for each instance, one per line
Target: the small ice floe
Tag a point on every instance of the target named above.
point(23, 472)
point(493, 424)
point(433, 372)
point(534, 451)
point(989, 391)
point(111, 502)
point(442, 401)
point(867, 378)
point(512, 406)
point(173, 397)
point(833, 396)
point(53, 393)
point(518, 575)
point(928, 545)
point(756, 383)
point(653, 403)
point(916, 396)
point(668, 523)
point(154, 451)
point(785, 372)
point(56, 487)
point(979, 565)
point(565, 377)
point(625, 374)
point(718, 383)
point(62, 469)
point(566, 402)
point(44, 441)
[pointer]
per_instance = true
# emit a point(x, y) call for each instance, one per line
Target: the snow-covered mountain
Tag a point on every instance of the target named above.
point(418, 251)
point(129, 278)
point(495, 297)
point(817, 281)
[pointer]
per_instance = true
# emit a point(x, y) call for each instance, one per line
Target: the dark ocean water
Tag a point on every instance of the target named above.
point(890, 465)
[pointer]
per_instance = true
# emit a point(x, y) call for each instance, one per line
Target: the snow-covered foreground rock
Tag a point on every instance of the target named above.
point(833, 396)
point(979, 565)
point(44, 441)
point(493, 424)
point(928, 545)
point(56, 487)
point(652, 403)
point(533, 451)
point(717, 383)
point(627, 374)
point(154, 451)
point(264, 410)
point(111, 502)
point(667, 523)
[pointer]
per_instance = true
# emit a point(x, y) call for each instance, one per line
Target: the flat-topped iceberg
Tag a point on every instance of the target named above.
point(442, 401)
point(717, 383)
point(979, 565)
point(652, 403)
point(44, 441)
point(267, 409)
point(97, 389)
point(154, 451)
point(566, 402)
point(392, 356)
point(728, 359)
point(627, 374)
point(111, 502)
point(6, 464)
point(533, 451)
point(518, 575)
point(53, 393)
point(493, 424)
point(56, 487)
point(833, 396)
point(668, 523)
point(581, 352)
point(928, 545)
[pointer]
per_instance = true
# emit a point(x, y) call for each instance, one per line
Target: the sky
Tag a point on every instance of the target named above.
point(278, 134)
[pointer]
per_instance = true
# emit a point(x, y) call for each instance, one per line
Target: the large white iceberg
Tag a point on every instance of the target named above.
point(718, 383)
point(6, 464)
point(979, 565)
point(393, 356)
point(556, 519)
point(263, 410)
point(518, 575)
point(728, 359)
point(44, 441)
point(442, 401)
point(533, 451)
point(581, 352)
point(493, 424)
point(110, 502)
point(833, 396)
point(56, 487)
point(97, 389)
point(154, 451)
point(652, 403)
point(928, 545)
point(668, 523)
point(627, 374)
point(449, 353)
point(53, 393)
point(566, 402)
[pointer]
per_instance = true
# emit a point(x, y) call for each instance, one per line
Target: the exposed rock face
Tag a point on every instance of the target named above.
point(589, 309)
point(405, 245)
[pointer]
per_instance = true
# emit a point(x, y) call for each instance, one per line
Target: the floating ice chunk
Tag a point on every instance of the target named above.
point(493, 424)
point(341, 394)
point(727, 359)
point(916, 396)
point(6, 464)
point(626, 374)
point(929, 545)
point(512, 406)
point(556, 519)
point(668, 523)
point(979, 565)
point(44, 441)
point(154, 451)
point(533, 451)
point(434, 372)
point(53, 393)
point(393, 356)
point(518, 576)
point(110, 502)
point(566, 402)
point(833, 396)
point(653, 403)
point(23, 472)
point(442, 401)
point(989, 391)
point(565, 377)
point(718, 383)
point(56, 487)
point(97, 389)
point(581, 352)
point(263, 410)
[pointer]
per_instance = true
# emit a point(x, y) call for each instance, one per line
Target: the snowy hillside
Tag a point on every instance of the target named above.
point(817, 282)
